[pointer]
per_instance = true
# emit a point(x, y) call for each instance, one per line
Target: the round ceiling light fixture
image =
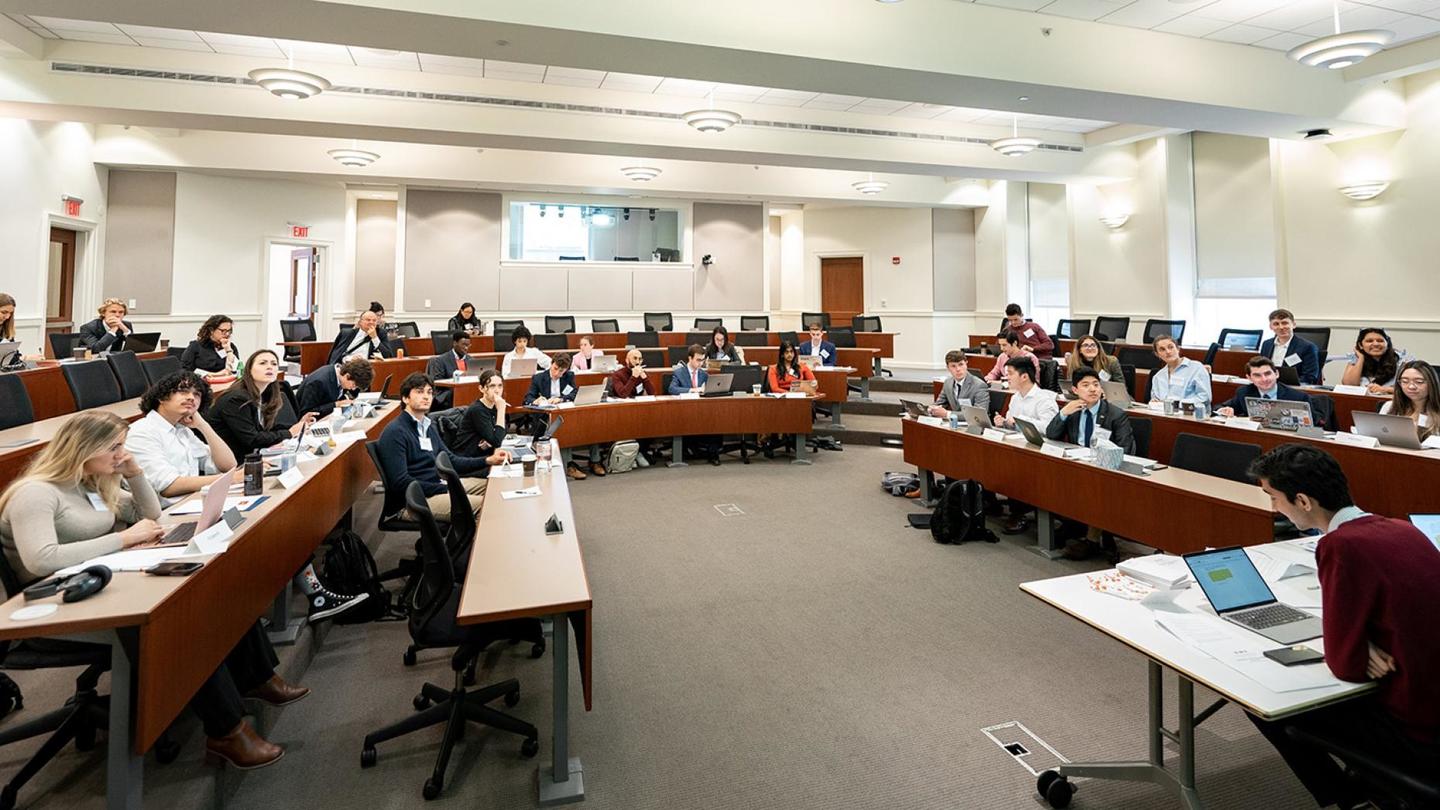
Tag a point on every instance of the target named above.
point(354, 158)
point(1339, 50)
point(1014, 146)
point(287, 83)
point(870, 187)
point(641, 173)
point(711, 119)
point(1364, 191)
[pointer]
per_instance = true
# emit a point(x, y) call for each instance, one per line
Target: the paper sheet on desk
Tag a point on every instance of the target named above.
point(350, 436)
point(135, 559)
point(1242, 652)
point(529, 492)
point(195, 506)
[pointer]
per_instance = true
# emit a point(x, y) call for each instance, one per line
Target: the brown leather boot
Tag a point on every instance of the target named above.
point(277, 692)
point(243, 749)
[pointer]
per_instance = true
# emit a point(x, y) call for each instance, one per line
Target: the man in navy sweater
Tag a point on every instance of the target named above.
point(1379, 603)
point(408, 448)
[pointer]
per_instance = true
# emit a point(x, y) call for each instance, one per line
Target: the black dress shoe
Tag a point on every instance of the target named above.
point(1015, 525)
point(715, 461)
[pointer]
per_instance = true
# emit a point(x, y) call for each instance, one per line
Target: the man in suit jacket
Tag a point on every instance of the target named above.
point(363, 340)
point(554, 385)
point(962, 385)
point(818, 346)
point(1286, 349)
point(689, 375)
point(444, 366)
point(1088, 412)
point(107, 333)
point(1264, 384)
point(323, 388)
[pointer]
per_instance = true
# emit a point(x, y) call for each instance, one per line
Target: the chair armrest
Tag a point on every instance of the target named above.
point(1409, 785)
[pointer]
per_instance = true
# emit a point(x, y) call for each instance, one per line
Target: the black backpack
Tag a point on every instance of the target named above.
point(350, 568)
point(959, 517)
point(450, 423)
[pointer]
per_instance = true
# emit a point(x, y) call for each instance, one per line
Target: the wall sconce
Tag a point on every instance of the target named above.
point(1115, 220)
point(1368, 190)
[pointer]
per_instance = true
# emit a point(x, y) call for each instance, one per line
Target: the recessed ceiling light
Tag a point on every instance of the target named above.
point(1024, 98)
point(382, 51)
point(287, 83)
point(641, 173)
point(870, 187)
point(355, 158)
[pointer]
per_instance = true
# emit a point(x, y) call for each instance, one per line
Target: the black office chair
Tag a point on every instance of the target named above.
point(1128, 372)
point(754, 323)
point(385, 386)
point(15, 407)
point(807, 318)
point(793, 337)
point(643, 340)
point(92, 383)
point(342, 327)
point(866, 323)
point(572, 258)
point(626, 259)
point(843, 337)
point(708, 324)
point(1217, 457)
point(750, 338)
point(547, 342)
point(1209, 361)
point(1322, 408)
point(654, 358)
point(1319, 335)
point(1241, 339)
point(1050, 375)
point(559, 323)
point(156, 368)
point(1155, 327)
point(703, 338)
point(604, 325)
point(1110, 328)
point(392, 519)
point(659, 322)
point(62, 344)
point(675, 355)
point(1072, 329)
point(441, 341)
point(1137, 356)
point(1142, 429)
point(126, 368)
point(432, 620)
point(176, 352)
point(1404, 789)
point(500, 327)
point(407, 329)
point(296, 329)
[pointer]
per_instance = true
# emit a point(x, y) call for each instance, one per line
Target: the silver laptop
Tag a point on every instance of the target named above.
point(977, 419)
point(1279, 414)
point(718, 385)
point(1238, 593)
point(10, 357)
point(213, 505)
point(915, 409)
point(604, 363)
point(1034, 435)
point(589, 394)
point(522, 367)
point(1117, 394)
point(1391, 430)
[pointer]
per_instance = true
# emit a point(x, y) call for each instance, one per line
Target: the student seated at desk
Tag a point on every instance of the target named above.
point(632, 380)
point(789, 370)
point(212, 353)
point(69, 507)
point(523, 351)
point(1090, 354)
point(553, 386)
point(326, 389)
point(1288, 349)
point(1378, 597)
point(247, 416)
point(449, 365)
point(818, 346)
point(107, 333)
point(1180, 378)
point(691, 376)
point(1374, 362)
point(1031, 334)
point(1088, 412)
point(363, 340)
point(584, 357)
point(464, 320)
point(962, 387)
point(410, 443)
point(1031, 402)
point(1264, 384)
point(1011, 348)
point(1417, 396)
point(7, 317)
point(720, 348)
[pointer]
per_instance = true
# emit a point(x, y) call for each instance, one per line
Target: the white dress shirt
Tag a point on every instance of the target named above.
point(1037, 405)
point(167, 452)
point(542, 360)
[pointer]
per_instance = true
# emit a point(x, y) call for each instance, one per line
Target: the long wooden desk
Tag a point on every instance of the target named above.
point(49, 394)
point(518, 571)
point(38, 434)
point(1175, 510)
point(168, 634)
point(1224, 390)
point(1227, 361)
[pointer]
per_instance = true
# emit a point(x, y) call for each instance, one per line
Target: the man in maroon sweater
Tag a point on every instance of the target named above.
point(1378, 588)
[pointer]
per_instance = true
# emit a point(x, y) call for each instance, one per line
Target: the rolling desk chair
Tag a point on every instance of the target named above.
point(441, 341)
point(15, 406)
point(754, 323)
point(708, 324)
point(499, 327)
point(1411, 790)
point(807, 318)
point(1242, 339)
point(866, 323)
point(1217, 457)
point(432, 604)
point(1137, 356)
point(1142, 429)
point(128, 373)
point(1072, 329)
point(1319, 335)
point(625, 259)
point(659, 322)
point(1156, 327)
point(750, 339)
point(295, 329)
point(604, 325)
point(156, 368)
point(562, 324)
point(842, 336)
point(1110, 328)
point(392, 519)
point(643, 340)
point(407, 329)
point(93, 384)
point(572, 258)
point(551, 342)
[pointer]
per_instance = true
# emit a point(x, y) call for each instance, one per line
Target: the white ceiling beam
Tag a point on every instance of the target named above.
point(1395, 63)
point(19, 42)
point(1121, 134)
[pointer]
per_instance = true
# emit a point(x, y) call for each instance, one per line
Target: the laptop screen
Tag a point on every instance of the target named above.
point(1229, 579)
point(1429, 525)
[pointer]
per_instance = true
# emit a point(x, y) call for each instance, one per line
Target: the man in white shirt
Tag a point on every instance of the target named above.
point(1027, 399)
point(364, 341)
point(176, 462)
point(523, 351)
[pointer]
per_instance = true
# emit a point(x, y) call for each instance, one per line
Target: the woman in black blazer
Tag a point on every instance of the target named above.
point(465, 320)
point(720, 347)
point(212, 353)
point(248, 416)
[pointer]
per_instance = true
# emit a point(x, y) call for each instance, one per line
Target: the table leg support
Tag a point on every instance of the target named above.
point(801, 456)
point(865, 389)
point(835, 410)
point(927, 488)
point(563, 781)
point(677, 452)
point(124, 769)
point(284, 628)
point(1045, 543)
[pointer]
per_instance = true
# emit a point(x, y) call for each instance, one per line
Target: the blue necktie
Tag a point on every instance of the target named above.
point(1085, 427)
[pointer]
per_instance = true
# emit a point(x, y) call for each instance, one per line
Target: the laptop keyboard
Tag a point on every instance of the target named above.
point(1270, 616)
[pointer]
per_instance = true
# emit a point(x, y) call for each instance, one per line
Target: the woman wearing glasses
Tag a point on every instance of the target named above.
point(1417, 395)
point(212, 353)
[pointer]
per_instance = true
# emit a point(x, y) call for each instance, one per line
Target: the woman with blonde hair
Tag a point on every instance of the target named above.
point(1417, 395)
point(69, 507)
point(1090, 354)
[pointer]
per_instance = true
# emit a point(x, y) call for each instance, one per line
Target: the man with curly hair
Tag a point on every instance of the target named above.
point(165, 442)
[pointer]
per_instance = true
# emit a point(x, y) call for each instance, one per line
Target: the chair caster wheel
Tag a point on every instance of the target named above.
point(421, 703)
point(368, 755)
point(409, 658)
point(538, 650)
point(529, 748)
point(512, 698)
point(469, 678)
point(166, 751)
point(432, 789)
point(1056, 789)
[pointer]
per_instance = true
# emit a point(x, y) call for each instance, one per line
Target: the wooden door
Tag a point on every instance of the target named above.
point(302, 282)
point(60, 286)
point(842, 288)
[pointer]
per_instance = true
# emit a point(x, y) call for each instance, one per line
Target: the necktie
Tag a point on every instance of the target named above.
point(694, 379)
point(1085, 427)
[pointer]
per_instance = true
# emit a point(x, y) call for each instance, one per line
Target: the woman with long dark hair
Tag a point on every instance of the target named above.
point(1374, 362)
point(1417, 395)
point(212, 352)
point(248, 416)
point(464, 320)
point(720, 347)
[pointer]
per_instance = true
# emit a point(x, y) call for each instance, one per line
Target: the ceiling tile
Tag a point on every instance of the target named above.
point(1414, 28)
point(786, 98)
point(1023, 5)
point(237, 45)
point(963, 114)
point(633, 82)
point(315, 52)
point(1357, 18)
point(393, 60)
point(514, 71)
point(739, 92)
point(1292, 16)
point(877, 106)
point(1145, 13)
point(58, 24)
point(1191, 26)
point(174, 44)
point(921, 110)
point(44, 33)
point(1242, 34)
point(149, 32)
point(451, 65)
point(1283, 42)
point(23, 19)
point(574, 77)
point(1238, 10)
point(95, 36)
point(1082, 9)
point(688, 88)
point(1430, 7)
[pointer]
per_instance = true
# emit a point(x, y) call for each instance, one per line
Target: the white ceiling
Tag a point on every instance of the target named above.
point(1277, 24)
point(316, 53)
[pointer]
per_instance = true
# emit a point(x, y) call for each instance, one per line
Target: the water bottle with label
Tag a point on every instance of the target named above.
point(254, 474)
point(954, 420)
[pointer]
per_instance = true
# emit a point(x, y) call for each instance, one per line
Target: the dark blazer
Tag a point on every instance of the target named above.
point(1111, 418)
point(827, 352)
point(342, 343)
point(680, 379)
point(458, 325)
point(1310, 365)
point(442, 367)
point(727, 354)
point(540, 386)
point(320, 391)
point(1282, 391)
point(96, 338)
point(403, 459)
point(236, 421)
point(198, 357)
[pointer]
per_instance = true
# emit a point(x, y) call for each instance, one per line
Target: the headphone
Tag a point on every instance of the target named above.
point(75, 587)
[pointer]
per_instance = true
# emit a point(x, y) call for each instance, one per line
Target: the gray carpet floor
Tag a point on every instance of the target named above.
point(813, 652)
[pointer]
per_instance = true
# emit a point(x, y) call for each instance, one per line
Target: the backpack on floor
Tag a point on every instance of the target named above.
point(350, 568)
point(623, 456)
point(959, 517)
point(899, 483)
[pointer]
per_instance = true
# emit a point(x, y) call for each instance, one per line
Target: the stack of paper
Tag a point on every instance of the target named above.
point(1161, 570)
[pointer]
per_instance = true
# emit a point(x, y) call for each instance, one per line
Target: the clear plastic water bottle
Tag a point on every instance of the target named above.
point(954, 420)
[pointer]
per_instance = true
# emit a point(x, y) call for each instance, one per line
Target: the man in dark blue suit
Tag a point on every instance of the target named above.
point(818, 345)
point(553, 386)
point(1286, 349)
point(1264, 384)
point(324, 388)
point(687, 377)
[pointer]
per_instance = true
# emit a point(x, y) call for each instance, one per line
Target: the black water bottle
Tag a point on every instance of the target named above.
point(254, 474)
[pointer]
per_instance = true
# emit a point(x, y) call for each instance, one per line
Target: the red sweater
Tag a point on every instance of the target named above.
point(625, 385)
point(1378, 584)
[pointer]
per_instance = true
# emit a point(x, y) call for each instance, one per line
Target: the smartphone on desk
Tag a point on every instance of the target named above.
point(174, 568)
point(1298, 654)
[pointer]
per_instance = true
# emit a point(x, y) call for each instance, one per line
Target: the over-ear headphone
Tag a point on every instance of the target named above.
point(75, 587)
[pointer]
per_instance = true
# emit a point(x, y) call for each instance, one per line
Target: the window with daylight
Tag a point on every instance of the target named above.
point(563, 232)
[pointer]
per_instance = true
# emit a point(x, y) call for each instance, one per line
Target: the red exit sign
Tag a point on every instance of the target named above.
point(299, 231)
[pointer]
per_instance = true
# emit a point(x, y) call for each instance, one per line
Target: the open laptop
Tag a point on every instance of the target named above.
point(977, 419)
point(589, 394)
point(526, 451)
point(1034, 435)
point(814, 361)
point(1117, 394)
point(1429, 525)
point(10, 357)
point(717, 385)
point(140, 342)
point(604, 363)
point(210, 510)
point(522, 367)
point(915, 409)
point(1280, 414)
point(1233, 584)
point(1391, 430)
